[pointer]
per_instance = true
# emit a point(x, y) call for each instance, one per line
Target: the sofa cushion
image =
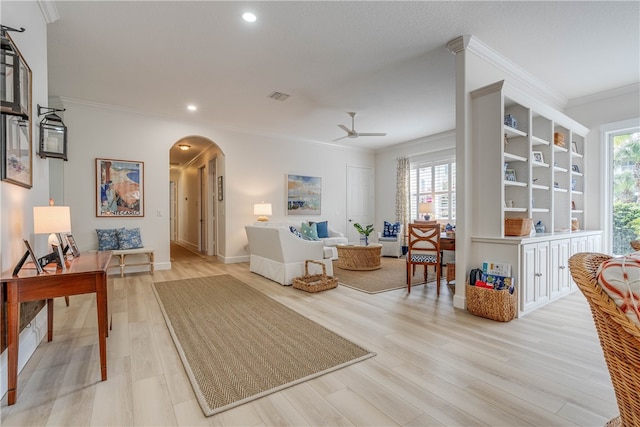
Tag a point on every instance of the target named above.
point(620, 278)
point(391, 229)
point(107, 239)
point(332, 241)
point(309, 231)
point(322, 228)
point(129, 238)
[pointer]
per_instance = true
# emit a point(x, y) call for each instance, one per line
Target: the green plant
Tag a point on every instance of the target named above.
point(364, 230)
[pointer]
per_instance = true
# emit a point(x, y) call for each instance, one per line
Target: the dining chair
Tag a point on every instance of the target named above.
point(423, 249)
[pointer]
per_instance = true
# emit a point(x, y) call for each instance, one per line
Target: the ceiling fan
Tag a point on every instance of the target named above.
point(351, 133)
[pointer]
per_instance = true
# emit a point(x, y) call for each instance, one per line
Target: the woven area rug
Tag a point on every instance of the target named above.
point(391, 276)
point(237, 344)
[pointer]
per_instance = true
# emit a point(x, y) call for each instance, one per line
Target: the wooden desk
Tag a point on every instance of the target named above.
point(85, 274)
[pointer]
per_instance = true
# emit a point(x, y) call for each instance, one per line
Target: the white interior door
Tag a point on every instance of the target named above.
point(359, 199)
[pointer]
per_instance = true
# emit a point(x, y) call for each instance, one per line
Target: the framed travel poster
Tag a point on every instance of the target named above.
point(119, 188)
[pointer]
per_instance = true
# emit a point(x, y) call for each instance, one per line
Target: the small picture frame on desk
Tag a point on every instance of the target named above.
point(73, 246)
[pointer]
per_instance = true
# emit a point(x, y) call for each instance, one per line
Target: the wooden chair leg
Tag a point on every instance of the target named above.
point(66, 300)
point(408, 277)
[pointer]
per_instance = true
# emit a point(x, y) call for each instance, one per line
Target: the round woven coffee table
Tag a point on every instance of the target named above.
point(359, 257)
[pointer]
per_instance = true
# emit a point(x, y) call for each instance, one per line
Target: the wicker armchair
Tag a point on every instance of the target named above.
point(619, 337)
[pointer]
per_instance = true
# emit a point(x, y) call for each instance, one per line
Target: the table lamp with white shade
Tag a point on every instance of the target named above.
point(263, 210)
point(53, 220)
point(426, 210)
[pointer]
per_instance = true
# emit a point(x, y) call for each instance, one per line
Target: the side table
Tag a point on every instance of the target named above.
point(359, 257)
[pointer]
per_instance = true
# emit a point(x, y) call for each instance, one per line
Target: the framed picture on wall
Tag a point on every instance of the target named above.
point(220, 189)
point(304, 195)
point(16, 150)
point(119, 188)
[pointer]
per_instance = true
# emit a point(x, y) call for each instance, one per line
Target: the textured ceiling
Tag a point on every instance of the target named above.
point(385, 60)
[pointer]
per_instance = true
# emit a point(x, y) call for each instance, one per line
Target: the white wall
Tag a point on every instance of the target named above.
point(16, 213)
point(254, 169)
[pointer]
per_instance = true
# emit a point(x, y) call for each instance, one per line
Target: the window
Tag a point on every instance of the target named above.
point(625, 146)
point(434, 183)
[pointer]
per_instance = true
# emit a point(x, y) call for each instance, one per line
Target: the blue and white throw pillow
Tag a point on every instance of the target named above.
point(107, 239)
point(129, 238)
point(309, 231)
point(295, 232)
point(391, 230)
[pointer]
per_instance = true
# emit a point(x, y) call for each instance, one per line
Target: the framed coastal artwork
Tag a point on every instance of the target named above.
point(304, 194)
point(16, 150)
point(119, 188)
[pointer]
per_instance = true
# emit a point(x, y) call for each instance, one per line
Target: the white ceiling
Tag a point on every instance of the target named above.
point(387, 61)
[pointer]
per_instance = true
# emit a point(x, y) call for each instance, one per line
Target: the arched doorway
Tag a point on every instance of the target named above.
point(195, 163)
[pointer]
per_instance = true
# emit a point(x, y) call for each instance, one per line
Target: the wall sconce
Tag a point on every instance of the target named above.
point(15, 76)
point(425, 209)
point(263, 210)
point(53, 134)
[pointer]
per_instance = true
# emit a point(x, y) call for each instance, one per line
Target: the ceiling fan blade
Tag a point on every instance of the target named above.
point(372, 134)
point(342, 137)
point(344, 128)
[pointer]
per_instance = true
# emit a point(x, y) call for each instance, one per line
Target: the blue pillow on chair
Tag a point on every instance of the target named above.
point(391, 230)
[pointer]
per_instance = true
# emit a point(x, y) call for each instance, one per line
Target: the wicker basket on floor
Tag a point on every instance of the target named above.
point(315, 282)
point(492, 304)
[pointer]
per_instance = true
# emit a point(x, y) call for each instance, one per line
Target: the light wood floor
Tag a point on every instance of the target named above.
point(434, 366)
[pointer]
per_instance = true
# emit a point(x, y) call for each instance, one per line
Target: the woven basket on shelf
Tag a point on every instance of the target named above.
point(517, 226)
point(492, 304)
point(315, 282)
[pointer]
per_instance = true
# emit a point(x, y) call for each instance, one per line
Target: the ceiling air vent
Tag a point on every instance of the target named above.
point(278, 96)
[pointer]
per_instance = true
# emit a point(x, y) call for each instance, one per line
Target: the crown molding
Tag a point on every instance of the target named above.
point(49, 10)
point(516, 74)
point(611, 93)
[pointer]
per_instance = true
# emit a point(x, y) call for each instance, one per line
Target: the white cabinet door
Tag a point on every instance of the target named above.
point(558, 268)
point(542, 272)
point(535, 275)
point(593, 243)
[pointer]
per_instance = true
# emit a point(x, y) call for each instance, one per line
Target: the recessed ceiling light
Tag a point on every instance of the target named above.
point(184, 147)
point(192, 107)
point(249, 17)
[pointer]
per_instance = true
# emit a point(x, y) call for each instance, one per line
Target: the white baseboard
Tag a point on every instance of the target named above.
point(30, 338)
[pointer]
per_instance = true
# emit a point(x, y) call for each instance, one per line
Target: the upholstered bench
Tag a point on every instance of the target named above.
point(120, 255)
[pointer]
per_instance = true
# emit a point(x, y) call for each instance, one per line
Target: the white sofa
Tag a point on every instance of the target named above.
point(335, 237)
point(279, 255)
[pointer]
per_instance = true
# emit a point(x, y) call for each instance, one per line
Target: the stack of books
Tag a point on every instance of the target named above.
point(496, 276)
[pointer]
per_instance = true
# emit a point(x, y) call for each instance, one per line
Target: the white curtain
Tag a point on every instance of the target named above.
point(402, 194)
